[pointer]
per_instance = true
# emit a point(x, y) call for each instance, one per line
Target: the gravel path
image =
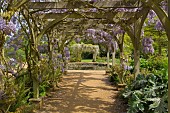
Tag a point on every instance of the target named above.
point(84, 91)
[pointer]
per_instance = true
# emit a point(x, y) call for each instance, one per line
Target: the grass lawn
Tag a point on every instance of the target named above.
point(86, 60)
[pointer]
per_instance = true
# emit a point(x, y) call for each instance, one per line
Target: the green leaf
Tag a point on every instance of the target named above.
point(163, 105)
point(127, 94)
point(141, 107)
point(156, 102)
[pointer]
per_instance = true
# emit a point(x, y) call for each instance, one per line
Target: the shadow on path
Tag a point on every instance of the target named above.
point(84, 91)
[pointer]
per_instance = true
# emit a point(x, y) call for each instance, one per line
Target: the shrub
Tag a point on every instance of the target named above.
point(147, 94)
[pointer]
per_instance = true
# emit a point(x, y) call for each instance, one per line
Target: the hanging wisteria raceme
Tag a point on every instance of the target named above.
point(7, 27)
point(147, 45)
point(142, 32)
point(151, 16)
point(164, 5)
point(66, 53)
point(59, 56)
point(117, 30)
point(77, 40)
point(102, 37)
point(152, 19)
point(159, 26)
point(52, 11)
point(127, 9)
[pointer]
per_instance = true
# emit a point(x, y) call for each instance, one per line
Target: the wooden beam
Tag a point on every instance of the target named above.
point(78, 4)
point(58, 15)
point(75, 15)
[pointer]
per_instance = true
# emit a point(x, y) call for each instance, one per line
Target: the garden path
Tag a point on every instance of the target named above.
point(84, 91)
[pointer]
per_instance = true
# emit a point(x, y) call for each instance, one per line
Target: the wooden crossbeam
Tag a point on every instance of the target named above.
point(78, 4)
point(76, 15)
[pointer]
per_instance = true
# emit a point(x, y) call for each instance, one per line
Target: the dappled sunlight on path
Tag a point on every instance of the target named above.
point(83, 92)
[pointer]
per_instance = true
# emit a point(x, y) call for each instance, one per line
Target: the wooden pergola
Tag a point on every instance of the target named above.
point(105, 12)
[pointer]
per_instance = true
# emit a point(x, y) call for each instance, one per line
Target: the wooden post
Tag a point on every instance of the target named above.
point(113, 58)
point(108, 59)
point(136, 59)
point(94, 57)
point(35, 89)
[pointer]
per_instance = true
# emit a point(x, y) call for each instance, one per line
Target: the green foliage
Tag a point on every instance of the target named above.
point(75, 55)
point(158, 63)
point(154, 64)
point(48, 77)
point(147, 94)
point(16, 93)
point(86, 60)
point(117, 74)
point(101, 59)
point(128, 45)
point(20, 54)
point(114, 77)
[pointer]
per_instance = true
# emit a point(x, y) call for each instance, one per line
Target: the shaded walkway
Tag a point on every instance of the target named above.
point(83, 91)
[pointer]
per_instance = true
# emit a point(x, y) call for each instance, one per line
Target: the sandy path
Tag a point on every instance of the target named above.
point(83, 91)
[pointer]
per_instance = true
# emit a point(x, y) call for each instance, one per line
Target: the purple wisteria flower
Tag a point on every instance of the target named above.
point(78, 40)
point(7, 28)
point(126, 67)
point(59, 56)
point(67, 53)
point(159, 26)
point(147, 45)
point(102, 37)
point(2, 67)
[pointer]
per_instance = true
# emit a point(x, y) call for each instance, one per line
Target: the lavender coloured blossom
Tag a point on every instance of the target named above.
point(2, 67)
point(7, 28)
point(78, 40)
point(147, 45)
point(126, 67)
point(66, 49)
point(67, 53)
point(158, 26)
point(12, 61)
point(2, 23)
point(62, 69)
point(164, 5)
point(151, 14)
point(59, 56)
point(12, 27)
point(142, 32)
